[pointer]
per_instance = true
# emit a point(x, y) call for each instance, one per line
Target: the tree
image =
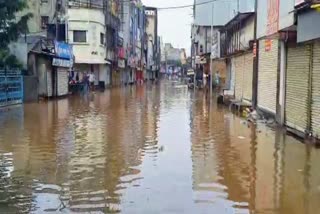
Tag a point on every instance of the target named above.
point(11, 28)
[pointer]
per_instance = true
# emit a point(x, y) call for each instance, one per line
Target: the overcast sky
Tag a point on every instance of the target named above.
point(174, 25)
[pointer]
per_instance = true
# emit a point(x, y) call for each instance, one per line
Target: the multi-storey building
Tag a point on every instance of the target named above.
point(44, 52)
point(209, 18)
point(114, 41)
point(87, 34)
point(45, 12)
point(152, 41)
point(132, 28)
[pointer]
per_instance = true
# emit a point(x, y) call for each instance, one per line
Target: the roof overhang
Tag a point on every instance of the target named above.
point(237, 19)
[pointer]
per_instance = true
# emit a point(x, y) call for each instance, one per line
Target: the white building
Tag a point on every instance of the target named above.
point(86, 32)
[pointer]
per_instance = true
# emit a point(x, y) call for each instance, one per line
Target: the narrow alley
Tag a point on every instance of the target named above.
point(150, 149)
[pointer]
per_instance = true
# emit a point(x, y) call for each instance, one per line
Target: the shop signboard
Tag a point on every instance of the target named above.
point(215, 48)
point(62, 63)
point(121, 53)
point(268, 45)
point(121, 63)
point(255, 50)
point(63, 50)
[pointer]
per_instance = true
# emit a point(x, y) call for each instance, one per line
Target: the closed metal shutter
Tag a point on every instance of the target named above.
point(248, 72)
point(315, 121)
point(267, 77)
point(239, 67)
point(62, 81)
point(243, 82)
point(298, 67)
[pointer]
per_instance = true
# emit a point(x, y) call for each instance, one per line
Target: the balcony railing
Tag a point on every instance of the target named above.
point(95, 4)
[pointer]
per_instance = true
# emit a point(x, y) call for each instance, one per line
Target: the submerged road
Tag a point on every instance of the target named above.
point(150, 149)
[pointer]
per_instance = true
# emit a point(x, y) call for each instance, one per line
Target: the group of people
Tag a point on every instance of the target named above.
point(88, 80)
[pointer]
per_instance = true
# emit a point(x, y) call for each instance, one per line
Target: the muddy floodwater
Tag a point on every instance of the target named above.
point(150, 149)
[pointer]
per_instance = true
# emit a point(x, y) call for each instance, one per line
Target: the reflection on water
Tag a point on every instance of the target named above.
point(150, 149)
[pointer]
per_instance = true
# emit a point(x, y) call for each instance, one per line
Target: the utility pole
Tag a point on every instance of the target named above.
point(166, 56)
point(211, 54)
point(238, 6)
point(255, 60)
point(57, 24)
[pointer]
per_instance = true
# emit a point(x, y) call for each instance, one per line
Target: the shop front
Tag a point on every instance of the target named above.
point(62, 64)
point(303, 75)
point(139, 72)
point(268, 75)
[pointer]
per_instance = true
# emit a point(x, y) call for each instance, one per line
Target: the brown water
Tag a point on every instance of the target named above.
point(151, 149)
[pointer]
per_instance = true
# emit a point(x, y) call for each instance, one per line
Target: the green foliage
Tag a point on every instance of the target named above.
point(11, 28)
point(8, 60)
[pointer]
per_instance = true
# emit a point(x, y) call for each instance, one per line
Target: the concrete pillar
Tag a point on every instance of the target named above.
point(282, 87)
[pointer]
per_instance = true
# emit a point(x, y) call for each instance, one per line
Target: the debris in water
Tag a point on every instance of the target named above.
point(241, 137)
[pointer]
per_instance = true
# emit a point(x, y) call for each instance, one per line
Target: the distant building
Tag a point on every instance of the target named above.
point(205, 43)
point(183, 56)
point(171, 53)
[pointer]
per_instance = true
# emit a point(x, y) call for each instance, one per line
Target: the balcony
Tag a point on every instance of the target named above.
point(237, 35)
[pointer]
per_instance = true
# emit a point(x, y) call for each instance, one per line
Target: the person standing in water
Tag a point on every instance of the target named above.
point(91, 80)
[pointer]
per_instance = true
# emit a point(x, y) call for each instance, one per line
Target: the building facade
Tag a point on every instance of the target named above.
point(108, 38)
point(133, 28)
point(87, 35)
point(302, 71)
point(236, 39)
point(114, 44)
point(153, 43)
point(44, 13)
point(209, 19)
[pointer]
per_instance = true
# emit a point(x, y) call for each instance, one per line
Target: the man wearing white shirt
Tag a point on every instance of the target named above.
point(91, 80)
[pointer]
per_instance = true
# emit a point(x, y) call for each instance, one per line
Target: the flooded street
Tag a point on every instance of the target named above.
point(150, 149)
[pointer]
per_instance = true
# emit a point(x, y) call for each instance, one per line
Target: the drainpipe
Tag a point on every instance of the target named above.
point(255, 60)
point(309, 101)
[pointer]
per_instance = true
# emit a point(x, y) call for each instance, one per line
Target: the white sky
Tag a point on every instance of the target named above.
point(174, 25)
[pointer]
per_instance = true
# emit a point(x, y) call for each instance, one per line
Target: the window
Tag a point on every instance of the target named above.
point(102, 38)
point(79, 36)
point(44, 22)
point(44, 1)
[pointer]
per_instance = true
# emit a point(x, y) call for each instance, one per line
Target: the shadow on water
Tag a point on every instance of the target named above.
point(150, 149)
